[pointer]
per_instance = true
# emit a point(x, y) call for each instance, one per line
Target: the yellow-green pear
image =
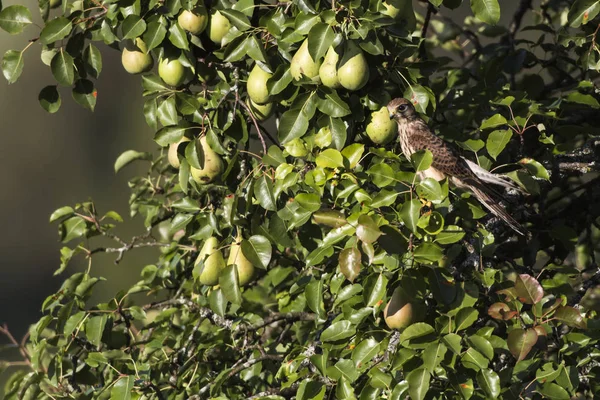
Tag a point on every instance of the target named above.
point(171, 71)
point(213, 262)
point(213, 165)
point(244, 267)
point(328, 70)
point(381, 129)
point(353, 71)
point(172, 154)
point(399, 312)
point(194, 21)
point(135, 58)
point(261, 111)
point(219, 26)
point(303, 64)
point(257, 85)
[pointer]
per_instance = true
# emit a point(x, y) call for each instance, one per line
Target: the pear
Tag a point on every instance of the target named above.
point(353, 72)
point(171, 71)
point(213, 262)
point(244, 267)
point(172, 154)
point(261, 111)
point(303, 64)
point(193, 21)
point(381, 129)
point(213, 165)
point(219, 26)
point(135, 57)
point(257, 85)
point(328, 71)
point(399, 312)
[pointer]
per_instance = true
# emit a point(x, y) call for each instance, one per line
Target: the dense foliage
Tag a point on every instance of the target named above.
point(293, 233)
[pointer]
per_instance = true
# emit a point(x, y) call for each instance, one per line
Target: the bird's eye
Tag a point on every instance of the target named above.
point(402, 107)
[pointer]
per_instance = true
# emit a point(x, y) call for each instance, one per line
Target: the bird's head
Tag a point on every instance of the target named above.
point(400, 109)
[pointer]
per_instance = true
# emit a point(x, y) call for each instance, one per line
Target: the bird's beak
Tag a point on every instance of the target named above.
point(391, 111)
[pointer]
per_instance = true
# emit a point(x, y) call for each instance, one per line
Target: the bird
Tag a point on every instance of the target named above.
point(415, 135)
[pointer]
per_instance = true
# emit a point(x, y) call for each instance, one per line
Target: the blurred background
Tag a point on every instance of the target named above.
point(51, 160)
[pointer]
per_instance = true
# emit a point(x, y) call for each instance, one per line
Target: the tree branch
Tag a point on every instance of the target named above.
point(524, 5)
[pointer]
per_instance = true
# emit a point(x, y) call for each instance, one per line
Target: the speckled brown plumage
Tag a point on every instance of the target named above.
point(415, 135)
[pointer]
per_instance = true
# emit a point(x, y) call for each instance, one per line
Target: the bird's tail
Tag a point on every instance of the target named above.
point(495, 179)
point(495, 208)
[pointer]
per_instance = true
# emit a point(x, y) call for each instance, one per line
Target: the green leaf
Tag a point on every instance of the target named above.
point(365, 351)
point(133, 26)
point(418, 383)
point(433, 355)
point(258, 250)
point(13, 19)
point(349, 260)
point(154, 35)
point(553, 391)
point(487, 11)
point(320, 37)
point(367, 229)
point(178, 37)
point(263, 190)
point(129, 156)
point(61, 212)
point(570, 316)
point(497, 141)
point(56, 30)
point(12, 65)
point(93, 60)
point(330, 158)
point(580, 98)
point(63, 68)
point(331, 104)
point(489, 382)
point(421, 160)
point(228, 281)
point(521, 341)
point(492, 122)
point(85, 94)
point(237, 19)
point(73, 228)
point(337, 331)
point(382, 175)
point(535, 168)
point(170, 134)
point(410, 214)
point(314, 298)
point(49, 99)
point(465, 318)
point(293, 124)
point(583, 11)
point(122, 389)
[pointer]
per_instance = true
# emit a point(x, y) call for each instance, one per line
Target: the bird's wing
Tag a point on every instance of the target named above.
point(496, 179)
point(445, 158)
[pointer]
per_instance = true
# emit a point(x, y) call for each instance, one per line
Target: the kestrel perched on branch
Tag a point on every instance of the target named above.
point(415, 135)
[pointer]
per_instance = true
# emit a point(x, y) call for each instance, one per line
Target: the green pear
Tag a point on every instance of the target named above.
point(172, 154)
point(244, 267)
point(171, 71)
point(303, 64)
point(381, 129)
point(328, 70)
point(261, 111)
point(135, 57)
point(400, 311)
point(213, 262)
point(194, 21)
point(353, 72)
point(257, 85)
point(213, 165)
point(219, 26)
